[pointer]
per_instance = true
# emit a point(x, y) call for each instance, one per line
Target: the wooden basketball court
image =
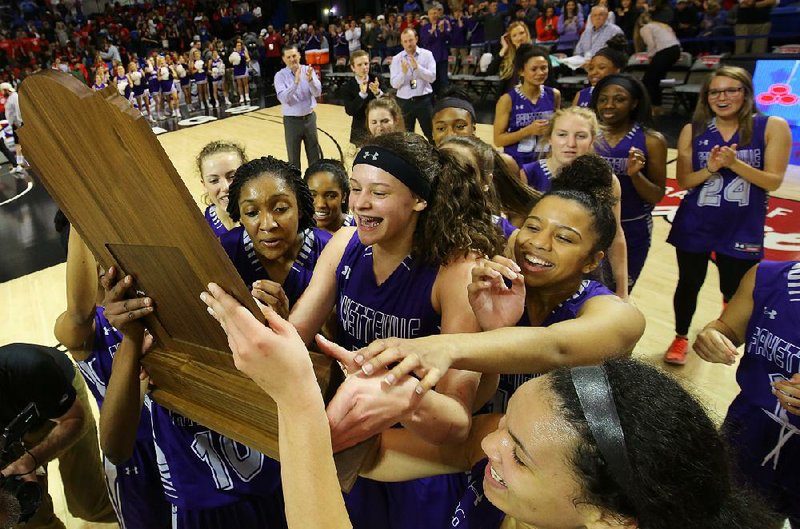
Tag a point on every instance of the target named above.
point(32, 303)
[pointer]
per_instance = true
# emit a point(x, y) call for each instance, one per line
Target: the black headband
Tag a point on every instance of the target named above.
point(396, 166)
point(455, 102)
point(621, 80)
point(597, 402)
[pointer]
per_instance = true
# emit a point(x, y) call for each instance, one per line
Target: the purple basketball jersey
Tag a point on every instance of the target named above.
point(772, 351)
point(134, 486)
point(214, 221)
point(503, 224)
point(202, 469)
point(523, 113)
point(727, 213)
point(539, 175)
point(632, 205)
point(474, 510)
point(400, 307)
point(585, 97)
point(567, 310)
point(240, 250)
point(764, 437)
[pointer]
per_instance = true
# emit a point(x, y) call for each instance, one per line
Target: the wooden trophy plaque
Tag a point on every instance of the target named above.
point(98, 158)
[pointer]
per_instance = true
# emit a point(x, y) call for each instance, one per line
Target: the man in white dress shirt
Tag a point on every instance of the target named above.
point(411, 74)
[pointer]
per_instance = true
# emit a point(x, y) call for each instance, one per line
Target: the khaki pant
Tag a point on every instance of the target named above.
point(81, 473)
point(753, 45)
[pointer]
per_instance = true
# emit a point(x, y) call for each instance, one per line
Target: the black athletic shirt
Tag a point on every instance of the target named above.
point(34, 373)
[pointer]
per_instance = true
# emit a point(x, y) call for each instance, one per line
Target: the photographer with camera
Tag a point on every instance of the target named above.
point(45, 403)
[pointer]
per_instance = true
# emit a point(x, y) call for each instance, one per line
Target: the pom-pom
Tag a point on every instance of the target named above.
point(198, 65)
point(235, 58)
point(136, 77)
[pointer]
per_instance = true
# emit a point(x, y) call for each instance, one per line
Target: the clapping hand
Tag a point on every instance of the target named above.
point(721, 157)
point(375, 87)
point(309, 73)
point(636, 161)
point(538, 127)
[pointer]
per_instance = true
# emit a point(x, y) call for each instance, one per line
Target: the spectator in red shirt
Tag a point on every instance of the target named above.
point(273, 44)
point(547, 25)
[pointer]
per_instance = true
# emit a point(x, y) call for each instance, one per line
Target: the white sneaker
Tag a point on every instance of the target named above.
point(227, 102)
point(247, 99)
point(17, 169)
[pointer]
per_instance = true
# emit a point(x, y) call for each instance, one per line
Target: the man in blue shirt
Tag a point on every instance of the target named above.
point(297, 88)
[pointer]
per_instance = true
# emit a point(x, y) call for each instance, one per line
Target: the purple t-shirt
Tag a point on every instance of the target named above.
point(727, 213)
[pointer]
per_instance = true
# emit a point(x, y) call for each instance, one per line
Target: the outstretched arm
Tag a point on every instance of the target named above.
point(75, 326)
point(606, 327)
point(307, 467)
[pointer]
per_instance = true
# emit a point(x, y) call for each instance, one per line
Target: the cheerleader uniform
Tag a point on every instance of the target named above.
point(538, 175)
point(240, 70)
point(523, 113)
point(134, 487)
point(239, 247)
point(200, 76)
point(636, 217)
point(97, 87)
point(399, 307)
point(123, 86)
point(138, 89)
point(212, 217)
point(166, 82)
point(585, 97)
point(567, 310)
point(725, 215)
point(764, 437)
point(153, 84)
point(186, 80)
point(217, 65)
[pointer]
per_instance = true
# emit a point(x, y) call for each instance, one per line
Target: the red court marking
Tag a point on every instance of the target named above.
point(788, 99)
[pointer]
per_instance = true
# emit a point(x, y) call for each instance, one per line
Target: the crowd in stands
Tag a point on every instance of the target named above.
point(60, 35)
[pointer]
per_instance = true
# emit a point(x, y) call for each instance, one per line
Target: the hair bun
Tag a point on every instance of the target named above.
point(589, 174)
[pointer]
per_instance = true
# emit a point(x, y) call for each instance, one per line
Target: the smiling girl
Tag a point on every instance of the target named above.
point(729, 159)
point(217, 163)
point(522, 115)
point(638, 156)
point(328, 182)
